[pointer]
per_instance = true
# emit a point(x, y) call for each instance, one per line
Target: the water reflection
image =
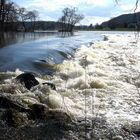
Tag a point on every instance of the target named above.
point(8, 38)
point(66, 34)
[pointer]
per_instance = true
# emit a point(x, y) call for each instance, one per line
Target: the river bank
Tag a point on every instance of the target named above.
point(97, 93)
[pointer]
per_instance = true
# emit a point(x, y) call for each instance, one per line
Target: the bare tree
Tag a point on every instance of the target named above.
point(26, 16)
point(2, 13)
point(136, 2)
point(69, 19)
point(8, 14)
point(11, 15)
point(32, 16)
point(22, 13)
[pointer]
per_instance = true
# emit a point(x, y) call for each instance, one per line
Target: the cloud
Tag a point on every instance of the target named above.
point(99, 3)
point(55, 4)
point(95, 11)
point(47, 18)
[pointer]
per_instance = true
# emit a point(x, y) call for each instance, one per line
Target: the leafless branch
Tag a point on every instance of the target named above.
point(136, 5)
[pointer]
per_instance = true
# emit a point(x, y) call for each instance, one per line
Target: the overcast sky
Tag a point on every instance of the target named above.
point(95, 11)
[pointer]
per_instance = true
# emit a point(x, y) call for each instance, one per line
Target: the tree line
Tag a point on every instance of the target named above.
point(16, 18)
point(70, 17)
point(13, 17)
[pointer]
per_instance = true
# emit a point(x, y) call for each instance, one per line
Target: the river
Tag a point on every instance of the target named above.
point(29, 51)
point(96, 79)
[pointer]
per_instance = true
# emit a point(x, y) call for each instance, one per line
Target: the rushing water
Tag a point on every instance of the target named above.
point(29, 51)
point(101, 81)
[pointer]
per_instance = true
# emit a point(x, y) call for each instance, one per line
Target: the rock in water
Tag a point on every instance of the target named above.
point(38, 111)
point(51, 85)
point(133, 127)
point(7, 103)
point(28, 79)
point(117, 138)
point(58, 115)
point(14, 118)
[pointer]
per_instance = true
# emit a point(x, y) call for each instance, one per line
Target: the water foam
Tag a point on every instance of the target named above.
point(105, 73)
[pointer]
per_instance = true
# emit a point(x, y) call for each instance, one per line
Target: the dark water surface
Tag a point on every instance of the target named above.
point(32, 51)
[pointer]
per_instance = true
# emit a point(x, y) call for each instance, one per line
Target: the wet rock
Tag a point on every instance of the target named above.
point(7, 102)
point(42, 112)
point(105, 38)
point(91, 43)
point(64, 76)
point(46, 63)
point(133, 127)
point(28, 80)
point(51, 85)
point(97, 84)
point(14, 118)
point(39, 111)
point(117, 138)
point(42, 60)
point(58, 115)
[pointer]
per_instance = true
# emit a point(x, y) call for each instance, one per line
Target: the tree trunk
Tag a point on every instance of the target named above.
point(2, 15)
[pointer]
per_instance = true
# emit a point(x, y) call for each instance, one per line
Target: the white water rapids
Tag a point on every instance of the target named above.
point(105, 76)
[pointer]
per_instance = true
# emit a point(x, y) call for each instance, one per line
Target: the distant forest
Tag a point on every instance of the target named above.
point(14, 17)
point(126, 21)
